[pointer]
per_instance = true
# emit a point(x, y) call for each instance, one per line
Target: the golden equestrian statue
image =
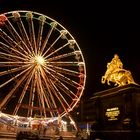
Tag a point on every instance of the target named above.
point(116, 74)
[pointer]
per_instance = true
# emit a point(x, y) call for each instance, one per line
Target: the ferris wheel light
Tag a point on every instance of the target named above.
point(40, 60)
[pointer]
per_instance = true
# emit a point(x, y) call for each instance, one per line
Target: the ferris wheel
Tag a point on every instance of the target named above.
point(42, 68)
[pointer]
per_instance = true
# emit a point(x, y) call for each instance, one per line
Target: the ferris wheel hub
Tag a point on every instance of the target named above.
point(39, 60)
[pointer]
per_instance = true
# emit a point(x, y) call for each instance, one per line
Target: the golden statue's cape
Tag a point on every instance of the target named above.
point(116, 74)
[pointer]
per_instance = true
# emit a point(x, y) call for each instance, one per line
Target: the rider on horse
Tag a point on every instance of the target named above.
point(116, 74)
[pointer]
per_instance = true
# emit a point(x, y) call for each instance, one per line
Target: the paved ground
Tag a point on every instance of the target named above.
point(12, 136)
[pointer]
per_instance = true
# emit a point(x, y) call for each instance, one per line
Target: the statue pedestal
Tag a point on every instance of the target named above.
point(117, 113)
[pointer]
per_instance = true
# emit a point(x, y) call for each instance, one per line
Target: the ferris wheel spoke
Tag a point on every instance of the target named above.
point(25, 38)
point(62, 64)
point(60, 48)
point(32, 95)
point(65, 71)
point(52, 45)
point(63, 102)
point(41, 93)
point(12, 92)
point(11, 42)
point(14, 64)
point(62, 86)
point(48, 96)
point(13, 56)
point(64, 78)
point(61, 99)
point(50, 99)
point(31, 31)
point(50, 104)
point(26, 86)
point(12, 70)
point(67, 91)
point(37, 94)
point(40, 31)
point(8, 81)
point(56, 81)
point(15, 34)
point(7, 48)
point(63, 56)
point(53, 25)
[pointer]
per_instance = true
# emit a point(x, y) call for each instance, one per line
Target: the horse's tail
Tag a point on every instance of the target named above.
point(130, 77)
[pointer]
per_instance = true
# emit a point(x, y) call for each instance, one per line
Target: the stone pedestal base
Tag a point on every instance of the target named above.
point(117, 113)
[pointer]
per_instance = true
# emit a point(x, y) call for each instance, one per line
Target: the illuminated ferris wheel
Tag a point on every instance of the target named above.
point(42, 68)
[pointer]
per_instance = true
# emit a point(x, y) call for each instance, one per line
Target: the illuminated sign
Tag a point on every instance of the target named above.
point(112, 113)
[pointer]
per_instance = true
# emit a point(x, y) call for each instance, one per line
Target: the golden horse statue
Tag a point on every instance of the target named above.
point(116, 74)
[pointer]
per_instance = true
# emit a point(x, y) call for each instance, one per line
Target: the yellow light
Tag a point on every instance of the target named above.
point(40, 60)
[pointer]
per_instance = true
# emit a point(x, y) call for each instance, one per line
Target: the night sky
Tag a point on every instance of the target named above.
point(100, 30)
